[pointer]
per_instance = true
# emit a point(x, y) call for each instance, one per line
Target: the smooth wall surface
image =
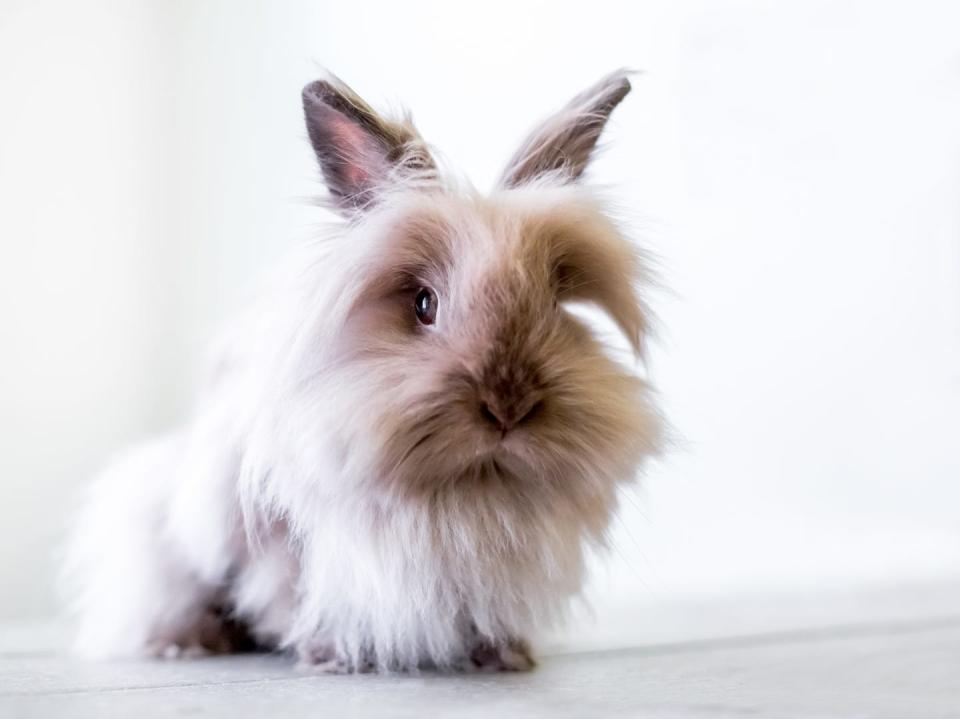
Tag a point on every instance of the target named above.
point(795, 166)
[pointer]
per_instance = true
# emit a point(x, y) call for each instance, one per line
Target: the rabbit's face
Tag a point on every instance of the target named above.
point(461, 345)
point(457, 345)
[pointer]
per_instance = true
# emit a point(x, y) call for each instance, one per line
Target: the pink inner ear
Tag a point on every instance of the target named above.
point(359, 152)
point(355, 177)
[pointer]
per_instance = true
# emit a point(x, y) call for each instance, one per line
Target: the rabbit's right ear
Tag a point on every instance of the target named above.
point(562, 145)
point(361, 154)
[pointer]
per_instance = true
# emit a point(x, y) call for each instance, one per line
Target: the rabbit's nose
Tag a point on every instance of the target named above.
point(505, 415)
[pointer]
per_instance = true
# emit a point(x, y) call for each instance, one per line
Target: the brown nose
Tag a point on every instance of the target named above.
point(507, 414)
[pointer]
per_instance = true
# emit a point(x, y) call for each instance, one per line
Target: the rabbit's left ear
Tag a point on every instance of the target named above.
point(360, 153)
point(563, 143)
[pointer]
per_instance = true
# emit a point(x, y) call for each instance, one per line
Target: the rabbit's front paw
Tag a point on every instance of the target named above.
point(319, 655)
point(509, 656)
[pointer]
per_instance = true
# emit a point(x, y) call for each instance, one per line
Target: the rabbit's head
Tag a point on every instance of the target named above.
point(453, 363)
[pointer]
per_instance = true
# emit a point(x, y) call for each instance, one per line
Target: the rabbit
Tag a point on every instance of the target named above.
point(405, 449)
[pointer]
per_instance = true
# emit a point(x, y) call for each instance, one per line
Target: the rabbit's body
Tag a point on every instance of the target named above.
point(405, 448)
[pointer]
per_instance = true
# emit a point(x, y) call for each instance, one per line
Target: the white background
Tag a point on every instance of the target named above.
point(794, 165)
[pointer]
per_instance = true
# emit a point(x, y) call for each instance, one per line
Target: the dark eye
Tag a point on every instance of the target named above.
point(425, 305)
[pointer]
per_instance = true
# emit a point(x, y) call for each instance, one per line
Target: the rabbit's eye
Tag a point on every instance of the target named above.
point(425, 305)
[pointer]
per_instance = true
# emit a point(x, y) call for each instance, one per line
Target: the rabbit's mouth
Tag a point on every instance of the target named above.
point(531, 429)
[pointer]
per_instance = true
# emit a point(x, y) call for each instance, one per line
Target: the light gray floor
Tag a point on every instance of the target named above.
point(907, 667)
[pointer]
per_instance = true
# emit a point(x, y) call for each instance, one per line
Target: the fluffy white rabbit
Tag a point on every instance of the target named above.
point(404, 450)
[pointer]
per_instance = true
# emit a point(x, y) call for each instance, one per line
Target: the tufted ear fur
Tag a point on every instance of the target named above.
point(361, 154)
point(565, 141)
